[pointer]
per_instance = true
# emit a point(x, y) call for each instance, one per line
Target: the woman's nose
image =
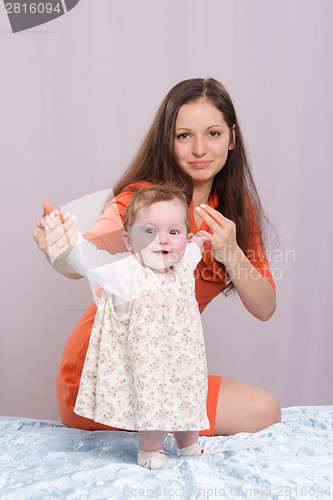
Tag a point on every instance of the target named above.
point(199, 146)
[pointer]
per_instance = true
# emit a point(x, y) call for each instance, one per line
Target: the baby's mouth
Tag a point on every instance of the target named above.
point(162, 252)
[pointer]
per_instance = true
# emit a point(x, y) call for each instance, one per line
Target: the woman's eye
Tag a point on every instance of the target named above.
point(214, 133)
point(182, 136)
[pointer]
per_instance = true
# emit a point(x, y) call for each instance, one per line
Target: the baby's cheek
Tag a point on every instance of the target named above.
point(140, 242)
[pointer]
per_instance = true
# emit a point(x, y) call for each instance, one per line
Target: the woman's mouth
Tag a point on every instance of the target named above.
point(199, 164)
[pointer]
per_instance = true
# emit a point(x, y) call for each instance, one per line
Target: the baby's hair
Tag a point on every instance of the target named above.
point(148, 196)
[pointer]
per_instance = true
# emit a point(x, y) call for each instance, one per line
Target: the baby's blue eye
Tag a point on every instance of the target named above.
point(174, 232)
point(150, 230)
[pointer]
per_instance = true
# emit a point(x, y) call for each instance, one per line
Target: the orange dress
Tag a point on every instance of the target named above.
point(210, 281)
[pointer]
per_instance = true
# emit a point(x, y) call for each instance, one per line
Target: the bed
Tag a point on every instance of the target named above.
point(41, 459)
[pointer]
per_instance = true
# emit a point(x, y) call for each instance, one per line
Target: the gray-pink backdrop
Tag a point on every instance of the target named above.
point(77, 96)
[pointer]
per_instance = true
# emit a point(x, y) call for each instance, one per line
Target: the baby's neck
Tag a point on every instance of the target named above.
point(168, 273)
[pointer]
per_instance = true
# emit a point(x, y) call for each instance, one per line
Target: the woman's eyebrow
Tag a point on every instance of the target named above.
point(210, 126)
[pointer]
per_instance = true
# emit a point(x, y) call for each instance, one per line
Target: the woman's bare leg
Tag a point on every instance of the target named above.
point(244, 408)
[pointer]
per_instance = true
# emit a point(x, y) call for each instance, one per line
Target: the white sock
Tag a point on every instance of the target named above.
point(153, 459)
point(195, 449)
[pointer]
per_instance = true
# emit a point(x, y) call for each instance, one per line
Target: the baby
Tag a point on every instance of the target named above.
point(145, 367)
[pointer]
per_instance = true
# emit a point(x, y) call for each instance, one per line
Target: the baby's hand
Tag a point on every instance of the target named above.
point(46, 222)
point(201, 238)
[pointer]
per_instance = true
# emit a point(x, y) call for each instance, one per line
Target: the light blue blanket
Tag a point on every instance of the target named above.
point(45, 460)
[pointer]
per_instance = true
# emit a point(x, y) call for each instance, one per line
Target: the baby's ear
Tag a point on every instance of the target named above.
point(189, 237)
point(127, 240)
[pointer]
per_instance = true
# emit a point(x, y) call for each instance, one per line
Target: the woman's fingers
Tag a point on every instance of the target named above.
point(60, 227)
point(62, 235)
point(52, 220)
point(63, 245)
point(212, 217)
point(42, 225)
point(223, 242)
point(38, 235)
point(48, 220)
point(55, 234)
point(47, 208)
point(47, 211)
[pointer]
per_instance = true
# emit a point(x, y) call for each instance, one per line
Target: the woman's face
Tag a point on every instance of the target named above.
point(202, 141)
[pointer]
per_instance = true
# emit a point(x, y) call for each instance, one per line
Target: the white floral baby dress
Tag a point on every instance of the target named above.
point(146, 369)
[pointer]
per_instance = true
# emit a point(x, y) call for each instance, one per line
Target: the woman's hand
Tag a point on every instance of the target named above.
point(55, 237)
point(224, 246)
point(46, 222)
point(255, 291)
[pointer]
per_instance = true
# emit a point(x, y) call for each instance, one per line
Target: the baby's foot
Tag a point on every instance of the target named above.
point(195, 449)
point(153, 459)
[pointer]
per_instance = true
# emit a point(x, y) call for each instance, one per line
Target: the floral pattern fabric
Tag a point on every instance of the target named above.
point(145, 368)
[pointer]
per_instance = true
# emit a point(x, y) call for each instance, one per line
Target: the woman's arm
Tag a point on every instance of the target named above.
point(54, 231)
point(255, 291)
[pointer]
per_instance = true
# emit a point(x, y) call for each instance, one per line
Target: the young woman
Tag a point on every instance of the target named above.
point(195, 143)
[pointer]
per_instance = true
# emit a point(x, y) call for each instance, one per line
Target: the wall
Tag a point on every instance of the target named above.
point(77, 96)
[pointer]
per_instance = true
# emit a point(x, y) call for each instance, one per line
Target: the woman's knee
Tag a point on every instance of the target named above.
point(264, 411)
point(268, 410)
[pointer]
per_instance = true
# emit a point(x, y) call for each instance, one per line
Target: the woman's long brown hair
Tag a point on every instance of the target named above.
point(234, 187)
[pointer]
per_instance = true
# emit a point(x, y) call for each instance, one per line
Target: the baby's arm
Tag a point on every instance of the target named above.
point(111, 272)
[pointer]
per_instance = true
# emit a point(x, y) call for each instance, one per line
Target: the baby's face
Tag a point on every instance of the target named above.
point(159, 235)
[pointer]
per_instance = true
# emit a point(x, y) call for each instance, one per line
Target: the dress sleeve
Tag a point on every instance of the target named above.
point(111, 271)
point(192, 255)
